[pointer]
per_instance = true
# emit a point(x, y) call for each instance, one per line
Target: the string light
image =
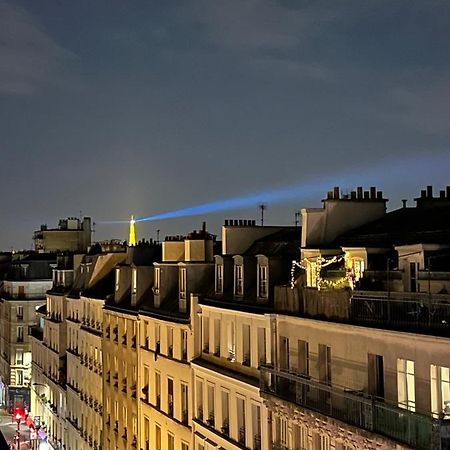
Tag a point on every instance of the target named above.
point(321, 262)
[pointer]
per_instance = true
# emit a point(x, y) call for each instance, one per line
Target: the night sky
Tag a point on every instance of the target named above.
point(115, 107)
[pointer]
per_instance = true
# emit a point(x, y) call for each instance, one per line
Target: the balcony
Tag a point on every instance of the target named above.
point(411, 311)
point(408, 427)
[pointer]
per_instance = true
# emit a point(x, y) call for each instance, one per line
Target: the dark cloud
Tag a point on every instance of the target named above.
point(29, 57)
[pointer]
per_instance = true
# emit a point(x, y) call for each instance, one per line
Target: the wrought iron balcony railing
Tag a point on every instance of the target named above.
point(412, 428)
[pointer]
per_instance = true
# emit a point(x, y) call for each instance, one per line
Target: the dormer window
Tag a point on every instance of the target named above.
point(262, 281)
point(219, 278)
point(238, 279)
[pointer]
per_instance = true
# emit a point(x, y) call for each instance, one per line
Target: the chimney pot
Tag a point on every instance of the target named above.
point(423, 193)
point(359, 192)
point(373, 192)
point(430, 191)
point(447, 189)
point(336, 192)
point(366, 195)
point(404, 203)
point(442, 194)
point(353, 195)
point(226, 222)
point(380, 195)
point(240, 222)
point(329, 195)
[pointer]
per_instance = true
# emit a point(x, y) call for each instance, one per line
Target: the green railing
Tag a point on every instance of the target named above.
point(414, 429)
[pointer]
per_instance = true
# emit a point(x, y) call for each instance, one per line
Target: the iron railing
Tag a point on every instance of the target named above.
point(414, 429)
point(412, 311)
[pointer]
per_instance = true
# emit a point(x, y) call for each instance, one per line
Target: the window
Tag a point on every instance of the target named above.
point(261, 345)
point(158, 389)
point(406, 384)
point(20, 313)
point(184, 342)
point(170, 442)
point(241, 420)
point(256, 419)
point(246, 344)
point(231, 342)
point(262, 282)
point(205, 328)
point(238, 280)
point(301, 437)
point(211, 407)
point(184, 446)
point(158, 437)
point(440, 391)
point(282, 430)
point(324, 364)
point(19, 357)
point(184, 403)
point(225, 412)
point(219, 278)
point(19, 334)
point(216, 337)
point(358, 269)
point(199, 398)
point(303, 358)
point(170, 397)
point(170, 342)
point(19, 378)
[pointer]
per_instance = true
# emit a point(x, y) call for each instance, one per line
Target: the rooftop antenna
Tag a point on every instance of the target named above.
point(93, 231)
point(297, 219)
point(157, 236)
point(262, 207)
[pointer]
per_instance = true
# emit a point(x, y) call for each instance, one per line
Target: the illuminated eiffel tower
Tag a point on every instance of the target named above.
point(132, 236)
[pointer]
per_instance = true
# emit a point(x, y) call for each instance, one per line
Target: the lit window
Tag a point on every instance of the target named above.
point(406, 384)
point(440, 391)
point(358, 269)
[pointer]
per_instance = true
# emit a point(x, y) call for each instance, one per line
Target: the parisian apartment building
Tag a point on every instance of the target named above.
point(329, 335)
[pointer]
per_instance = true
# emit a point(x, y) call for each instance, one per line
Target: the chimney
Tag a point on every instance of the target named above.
point(380, 195)
point(353, 195)
point(226, 222)
point(430, 191)
point(447, 189)
point(423, 193)
point(441, 194)
point(366, 195)
point(359, 192)
point(336, 194)
point(404, 203)
point(373, 192)
point(204, 227)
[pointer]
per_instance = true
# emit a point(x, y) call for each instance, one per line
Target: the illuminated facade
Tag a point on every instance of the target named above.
point(23, 292)
point(67, 359)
